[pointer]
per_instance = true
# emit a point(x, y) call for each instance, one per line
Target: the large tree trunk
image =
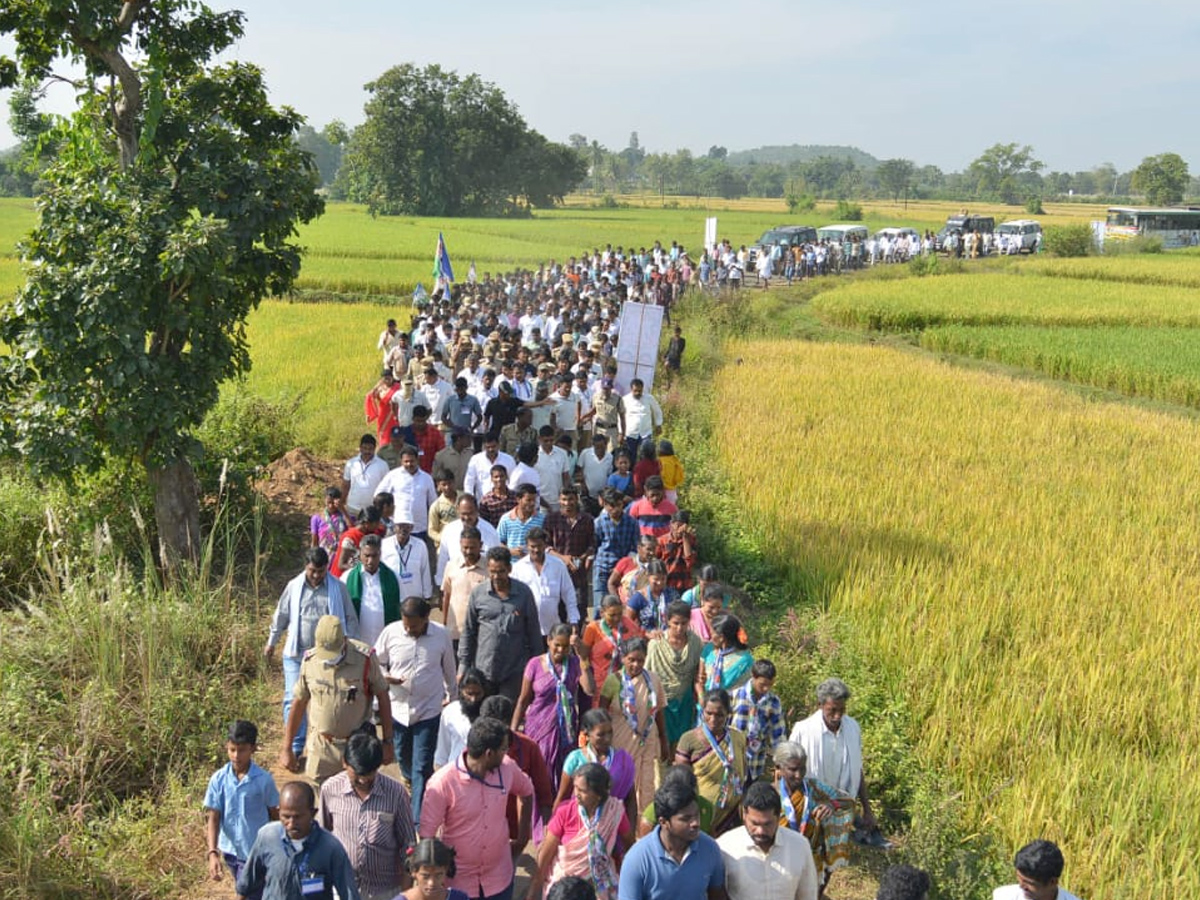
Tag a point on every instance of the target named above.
point(176, 513)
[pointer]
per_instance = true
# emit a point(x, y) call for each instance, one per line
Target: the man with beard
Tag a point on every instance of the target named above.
point(468, 517)
point(458, 717)
point(295, 857)
point(762, 859)
point(479, 467)
point(676, 859)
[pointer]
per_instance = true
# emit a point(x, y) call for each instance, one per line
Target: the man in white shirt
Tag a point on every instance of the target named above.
point(640, 417)
point(405, 399)
point(553, 468)
point(565, 415)
point(408, 558)
point(548, 578)
point(373, 588)
point(362, 475)
point(436, 390)
point(458, 717)
point(479, 469)
point(762, 860)
point(468, 516)
point(1039, 865)
point(833, 742)
point(413, 490)
point(418, 663)
point(596, 464)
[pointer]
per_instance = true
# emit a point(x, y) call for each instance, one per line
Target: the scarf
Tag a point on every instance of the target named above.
point(629, 705)
point(718, 671)
point(600, 864)
point(797, 822)
point(564, 702)
point(614, 637)
point(336, 526)
point(731, 782)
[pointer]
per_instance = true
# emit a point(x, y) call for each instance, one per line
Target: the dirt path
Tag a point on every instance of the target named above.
point(294, 489)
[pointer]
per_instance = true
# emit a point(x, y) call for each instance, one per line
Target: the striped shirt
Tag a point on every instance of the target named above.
point(512, 530)
point(613, 541)
point(653, 520)
point(375, 831)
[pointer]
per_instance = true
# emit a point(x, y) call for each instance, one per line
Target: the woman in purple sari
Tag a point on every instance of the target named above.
point(596, 734)
point(548, 704)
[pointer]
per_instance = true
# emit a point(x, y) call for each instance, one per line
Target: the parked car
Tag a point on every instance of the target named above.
point(962, 225)
point(842, 233)
point(786, 236)
point(1025, 231)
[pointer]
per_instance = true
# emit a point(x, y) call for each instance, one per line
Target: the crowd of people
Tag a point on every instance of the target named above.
point(503, 597)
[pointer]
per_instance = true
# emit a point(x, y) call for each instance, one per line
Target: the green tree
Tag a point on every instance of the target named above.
point(895, 176)
point(1162, 178)
point(169, 213)
point(327, 156)
point(1006, 172)
point(437, 144)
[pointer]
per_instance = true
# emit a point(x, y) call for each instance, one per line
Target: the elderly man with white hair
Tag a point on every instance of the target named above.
point(832, 741)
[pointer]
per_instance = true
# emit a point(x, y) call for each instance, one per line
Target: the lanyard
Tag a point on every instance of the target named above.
point(298, 860)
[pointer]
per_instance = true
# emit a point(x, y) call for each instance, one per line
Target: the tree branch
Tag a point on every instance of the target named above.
point(127, 109)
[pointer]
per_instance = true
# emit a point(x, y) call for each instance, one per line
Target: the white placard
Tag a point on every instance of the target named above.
point(637, 347)
point(710, 232)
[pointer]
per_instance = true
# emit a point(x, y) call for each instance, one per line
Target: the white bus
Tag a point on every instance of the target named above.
point(1175, 226)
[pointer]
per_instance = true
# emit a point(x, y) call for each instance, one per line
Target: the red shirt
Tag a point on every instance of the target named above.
point(679, 566)
point(525, 752)
point(643, 470)
point(429, 443)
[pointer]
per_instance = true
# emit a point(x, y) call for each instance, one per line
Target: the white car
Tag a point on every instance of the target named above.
point(1026, 233)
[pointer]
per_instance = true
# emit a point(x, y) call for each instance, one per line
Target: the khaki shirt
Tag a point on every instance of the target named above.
point(511, 437)
point(339, 701)
point(608, 414)
point(457, 584)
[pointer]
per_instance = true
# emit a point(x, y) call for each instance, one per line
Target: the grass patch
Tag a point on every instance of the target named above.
point(1005, 299)
point(1157, 363)
point(1173, 269)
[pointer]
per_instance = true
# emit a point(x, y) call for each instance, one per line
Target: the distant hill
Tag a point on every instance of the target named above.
point(802, 153)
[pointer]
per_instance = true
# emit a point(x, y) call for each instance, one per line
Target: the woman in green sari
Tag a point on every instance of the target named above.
point(675, 659)
point(821, 813)
point(717, 754)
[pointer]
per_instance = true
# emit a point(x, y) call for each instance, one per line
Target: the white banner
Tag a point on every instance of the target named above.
point(710, 232)
point(637, 347)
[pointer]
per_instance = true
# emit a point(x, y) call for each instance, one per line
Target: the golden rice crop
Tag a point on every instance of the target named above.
point(1022, 562)
point(1004, 299)
point(1174, 268)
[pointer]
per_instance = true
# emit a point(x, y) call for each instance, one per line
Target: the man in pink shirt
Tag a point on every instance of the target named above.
point(465, 803)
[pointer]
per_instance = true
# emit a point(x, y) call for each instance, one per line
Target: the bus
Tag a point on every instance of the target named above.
point(1175, 226)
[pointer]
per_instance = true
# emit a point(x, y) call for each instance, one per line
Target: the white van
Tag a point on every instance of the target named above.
point(1024, 232)
point(842, 233)
point(894, 233)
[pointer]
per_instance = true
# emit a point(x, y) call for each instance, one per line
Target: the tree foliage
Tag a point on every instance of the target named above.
point(1005, 172)
point(169, 213)
point(896, 176)
point(438, 144)
point(1163, 178)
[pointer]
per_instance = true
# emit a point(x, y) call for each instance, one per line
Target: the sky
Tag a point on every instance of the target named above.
point(1081, 81)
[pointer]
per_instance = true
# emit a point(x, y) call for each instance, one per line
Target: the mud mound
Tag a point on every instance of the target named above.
point(295, 483)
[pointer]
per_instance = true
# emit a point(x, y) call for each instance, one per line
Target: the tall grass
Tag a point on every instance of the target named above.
point(114, 691)
point(1176, 268)
point(1020, 564)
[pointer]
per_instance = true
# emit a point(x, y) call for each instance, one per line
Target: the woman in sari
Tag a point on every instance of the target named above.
point(326, 528)
point(596, 746)
point(707, 575)
point(603, 638)
point(717, 754)
point(821, 813)
point(711, 605)
point(639, 726)
point(581, 838)
point(725, 665)
point(675, 659)
point(547, 704)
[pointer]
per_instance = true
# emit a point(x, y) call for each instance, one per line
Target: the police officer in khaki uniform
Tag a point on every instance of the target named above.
point(338, 678)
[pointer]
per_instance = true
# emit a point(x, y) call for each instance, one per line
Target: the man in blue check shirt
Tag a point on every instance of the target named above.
point(616, 537)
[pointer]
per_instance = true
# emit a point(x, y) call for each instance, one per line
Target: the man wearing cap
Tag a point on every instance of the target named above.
point(606, 407)
point(309, 596)
point(405, 399)
point(408, 558)
point(338, 678)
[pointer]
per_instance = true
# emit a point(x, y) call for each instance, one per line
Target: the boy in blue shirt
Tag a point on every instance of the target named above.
point(241, 798)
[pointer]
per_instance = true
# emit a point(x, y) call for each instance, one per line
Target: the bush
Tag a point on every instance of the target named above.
point(847, 211)
point(240, 436)
point(1033, 206)
point(1068, 240)
point(801, 202)
point(1140, 244)
point(22, 521)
